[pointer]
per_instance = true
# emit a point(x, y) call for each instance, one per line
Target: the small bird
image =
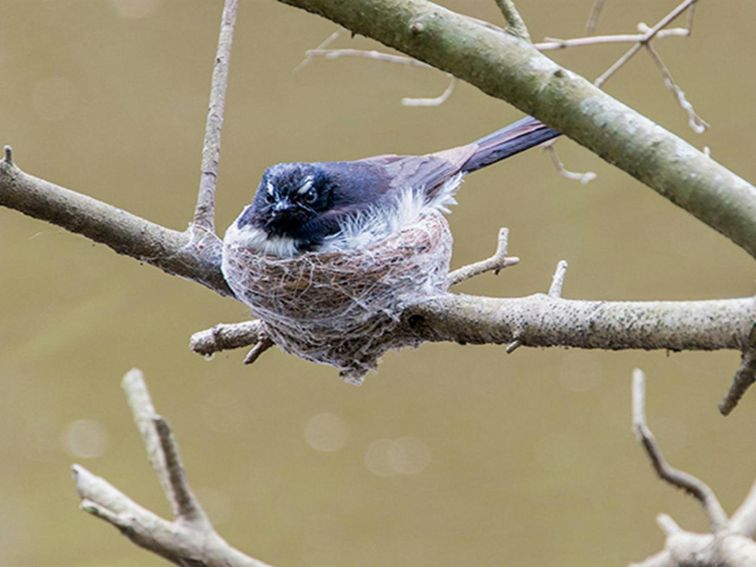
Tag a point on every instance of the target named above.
point(332, 206)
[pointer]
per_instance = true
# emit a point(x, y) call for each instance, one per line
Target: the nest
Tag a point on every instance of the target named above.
point(343, 308)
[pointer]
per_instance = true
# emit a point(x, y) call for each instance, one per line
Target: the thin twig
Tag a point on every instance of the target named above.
point(434, 101)
point(260, 347)
point(204, 213)
point(309, 55)
point(161, 450)
point(367, 54)
point(648, 36)
point(744, 377)
point(687, 482)
point(508, 9)
point(553, 43)
point(495, 263)
point(593, 17)
point(667, 524)
point(583, 178)
point(696, 123)
point(7, 156)
point(557, 281)
point(515, 24)
point(514, 345)
point(187, 506)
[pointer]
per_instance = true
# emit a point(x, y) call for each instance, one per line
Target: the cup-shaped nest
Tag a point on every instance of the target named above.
point(343, 308)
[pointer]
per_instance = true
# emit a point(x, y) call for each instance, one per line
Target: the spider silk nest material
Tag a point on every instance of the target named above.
point(343, 307)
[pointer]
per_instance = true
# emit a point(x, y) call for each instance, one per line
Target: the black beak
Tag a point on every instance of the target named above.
point(283, 207)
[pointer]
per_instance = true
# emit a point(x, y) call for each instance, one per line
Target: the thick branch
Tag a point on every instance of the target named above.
point(193, 256)
point(542, 321)
point(510, 69)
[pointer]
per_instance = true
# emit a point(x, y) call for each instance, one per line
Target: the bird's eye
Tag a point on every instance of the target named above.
point(311, 196)
point(270, 199)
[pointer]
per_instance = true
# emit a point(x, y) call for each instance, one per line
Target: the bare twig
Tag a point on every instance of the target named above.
point(226, 336)
point(204, 213)
point(590, 25)
point(366, 54)
point(434, 101)
point(554, 43)
point(667, 524)
point(161, 450)
point(744, 377)
point(495, 263)
point(555, 292)
point(690, 484)
point(696, 123)
point(188, 540)
point(557, 281)
point(583, 178)
point(647, 37)
point(309, 56)
point(514, 345)
point(515, 24)
point(260, 347)
point(8, 156)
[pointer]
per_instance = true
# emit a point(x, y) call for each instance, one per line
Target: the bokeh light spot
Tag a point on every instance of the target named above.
point(86, 438)
point(135, 8)
point(326, 432)
point(389, 457)
point(409, 455)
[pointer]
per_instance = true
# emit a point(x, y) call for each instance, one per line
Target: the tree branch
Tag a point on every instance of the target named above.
point(542, 321)
point(690, 484)
point(192, 256)
point(729, 545)
point(515, 71)
point(188, 540)
point(744, 377)
point(744, 519)
point(494, 264)
point(204, 214)
point(515, 24)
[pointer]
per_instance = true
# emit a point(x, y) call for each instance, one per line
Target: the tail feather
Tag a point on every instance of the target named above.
point(510, 140)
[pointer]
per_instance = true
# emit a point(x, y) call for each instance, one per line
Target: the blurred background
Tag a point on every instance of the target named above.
point(449, 455)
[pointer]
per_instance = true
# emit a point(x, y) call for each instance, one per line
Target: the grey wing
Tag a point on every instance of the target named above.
point(427, 173)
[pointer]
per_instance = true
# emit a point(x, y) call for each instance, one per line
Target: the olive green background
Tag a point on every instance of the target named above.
point(449, 455)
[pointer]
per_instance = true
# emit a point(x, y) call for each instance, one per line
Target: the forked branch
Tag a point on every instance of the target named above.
point(494, 264)
point(690, 484)
point(188, 539)
point(730, 543)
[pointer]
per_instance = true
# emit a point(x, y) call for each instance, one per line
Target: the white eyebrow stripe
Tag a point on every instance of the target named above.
point(306, 185)
point(269, 188)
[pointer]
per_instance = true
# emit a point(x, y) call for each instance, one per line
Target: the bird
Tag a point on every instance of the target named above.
point(318, 207)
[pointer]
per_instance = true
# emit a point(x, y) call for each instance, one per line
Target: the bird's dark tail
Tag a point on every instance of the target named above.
point(510, 140)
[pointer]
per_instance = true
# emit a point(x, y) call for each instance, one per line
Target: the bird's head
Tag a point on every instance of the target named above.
point(289, 195)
